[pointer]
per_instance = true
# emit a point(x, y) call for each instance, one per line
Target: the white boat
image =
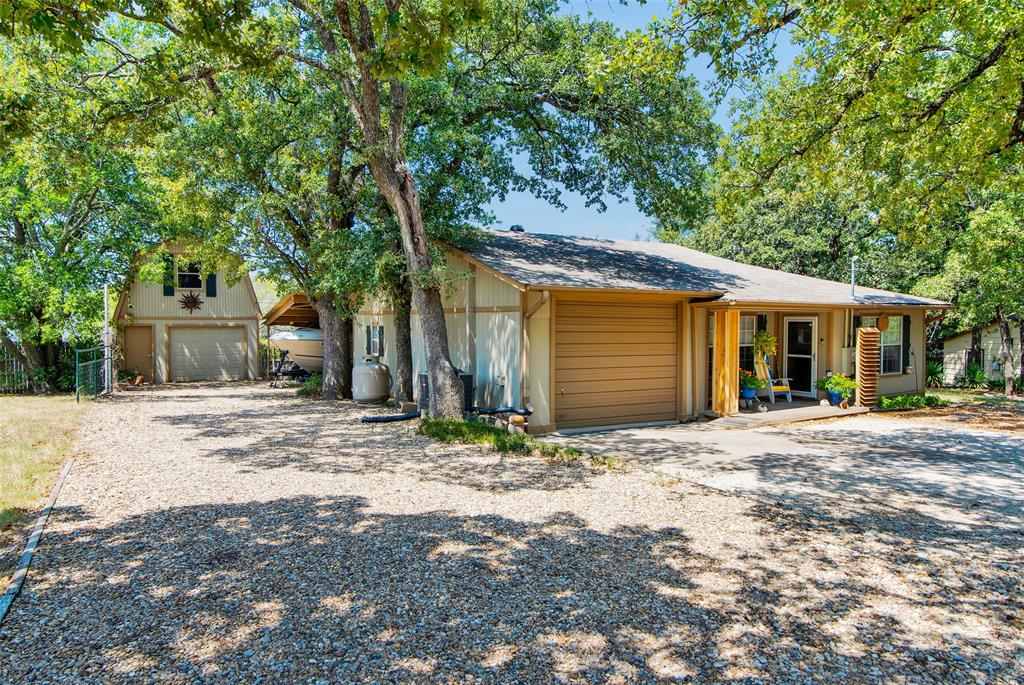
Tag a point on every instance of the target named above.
point(305, 346)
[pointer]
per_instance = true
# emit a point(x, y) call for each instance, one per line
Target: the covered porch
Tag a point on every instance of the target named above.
point(811, 342)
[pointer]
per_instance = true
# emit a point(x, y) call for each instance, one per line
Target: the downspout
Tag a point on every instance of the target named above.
point(524, 344)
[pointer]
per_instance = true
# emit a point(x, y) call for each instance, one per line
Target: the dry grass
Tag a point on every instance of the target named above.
point(36, 434)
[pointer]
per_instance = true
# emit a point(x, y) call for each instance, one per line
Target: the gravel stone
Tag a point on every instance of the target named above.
point(236, 534)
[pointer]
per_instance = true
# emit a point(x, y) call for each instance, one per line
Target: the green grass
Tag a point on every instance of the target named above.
point(911, 402)
point(311, 387)
point(962, 396)
point(480, 433)
point(36, 436)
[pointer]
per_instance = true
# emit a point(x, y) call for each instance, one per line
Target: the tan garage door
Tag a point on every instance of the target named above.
point(209, 353)
point(615, 363)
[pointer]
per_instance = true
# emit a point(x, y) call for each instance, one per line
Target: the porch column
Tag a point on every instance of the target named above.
point(725, 392)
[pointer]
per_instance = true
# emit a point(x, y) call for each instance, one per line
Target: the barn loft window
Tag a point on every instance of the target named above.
point(190, 276)
point(892, 342)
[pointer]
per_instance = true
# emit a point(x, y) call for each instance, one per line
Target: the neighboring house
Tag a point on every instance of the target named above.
point(600, 332)
point(191, 327)
point(956, 352)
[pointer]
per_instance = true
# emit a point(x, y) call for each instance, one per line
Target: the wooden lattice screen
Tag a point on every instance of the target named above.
point(869, 365)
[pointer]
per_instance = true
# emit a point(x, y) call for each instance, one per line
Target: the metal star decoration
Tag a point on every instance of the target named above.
point(191, 303)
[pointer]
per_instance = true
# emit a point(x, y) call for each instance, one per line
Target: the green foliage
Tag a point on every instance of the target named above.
point(933, 374)
point(974, 378)
point(311, 387)
point(475, 432)
point(911, 402)
point(75, 206)
point(916, 104)
point(840, 383)
point(765, 343)
point(750, 380)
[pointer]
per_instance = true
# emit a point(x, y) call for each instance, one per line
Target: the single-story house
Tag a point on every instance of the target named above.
point(957, 352)
point(600, 332)
point(191, 327)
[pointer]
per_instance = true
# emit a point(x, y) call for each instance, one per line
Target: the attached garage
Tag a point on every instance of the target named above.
point(207, 353)
point(615, 363)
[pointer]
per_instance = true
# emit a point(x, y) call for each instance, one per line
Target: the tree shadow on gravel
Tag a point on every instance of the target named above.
point(304, 588)
point(329, 438)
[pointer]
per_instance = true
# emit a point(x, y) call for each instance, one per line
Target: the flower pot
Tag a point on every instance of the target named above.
point(834, 397)
point(747, 393)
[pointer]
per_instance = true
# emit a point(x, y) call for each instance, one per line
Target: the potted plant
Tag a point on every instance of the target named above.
point(839, 387)
point(749, 385)
point(765, 344)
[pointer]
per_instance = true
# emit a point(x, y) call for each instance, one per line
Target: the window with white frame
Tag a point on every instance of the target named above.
point(189, 276)
point(375, 340)
point(892, 342)
point(748, 327)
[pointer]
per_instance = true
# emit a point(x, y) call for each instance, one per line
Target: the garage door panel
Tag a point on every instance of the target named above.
point(595, 416)
point(629, 338)
point(615, 363)
point(624, 311)
point(615, 349)
point(616, 373)
point(577, 324)
point(603, 384)
point(207, 353)
point(619, 399)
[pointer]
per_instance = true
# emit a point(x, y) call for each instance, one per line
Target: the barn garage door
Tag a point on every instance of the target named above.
point(615, 363)
point(207, 354)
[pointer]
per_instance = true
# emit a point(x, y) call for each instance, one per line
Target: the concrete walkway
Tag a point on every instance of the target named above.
point(961, 478)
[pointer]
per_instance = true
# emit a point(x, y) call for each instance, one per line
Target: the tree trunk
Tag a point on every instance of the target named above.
point(335, 368)
point(347, 359)
point(401, 301)
point(1020, 355)
point(1006, 351)
point(399, 189)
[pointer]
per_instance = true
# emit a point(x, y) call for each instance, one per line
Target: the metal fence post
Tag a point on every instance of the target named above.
point(78, 383)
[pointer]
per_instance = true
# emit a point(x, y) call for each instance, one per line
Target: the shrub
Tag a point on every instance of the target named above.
point(311, 387)
point(840, 383)
point(974, 378)
point(998, 385)
point(911, 402)
point(933, 374)
point(474, 432)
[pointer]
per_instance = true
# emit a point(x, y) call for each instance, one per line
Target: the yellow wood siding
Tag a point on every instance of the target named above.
point(615, 363)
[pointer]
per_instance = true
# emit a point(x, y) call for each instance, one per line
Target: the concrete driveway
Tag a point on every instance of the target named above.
point(957, 481)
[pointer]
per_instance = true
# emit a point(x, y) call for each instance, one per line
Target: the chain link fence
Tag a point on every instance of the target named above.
point(93, 372)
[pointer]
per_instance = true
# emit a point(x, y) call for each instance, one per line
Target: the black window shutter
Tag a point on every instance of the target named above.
point(168, 276)
point(906, 341)
point(380, 337)
point(856, 322)
point(368, 336)
point(762, 322)
point(211, 285)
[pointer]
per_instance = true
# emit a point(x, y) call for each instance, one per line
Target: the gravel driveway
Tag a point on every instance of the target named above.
point(239, 534)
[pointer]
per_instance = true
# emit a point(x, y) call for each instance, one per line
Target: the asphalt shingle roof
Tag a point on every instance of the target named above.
point(555, 261)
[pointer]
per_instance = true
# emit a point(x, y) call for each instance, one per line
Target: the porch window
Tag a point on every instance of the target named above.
point(748, 327)
point(189, 276)
point(892, 343)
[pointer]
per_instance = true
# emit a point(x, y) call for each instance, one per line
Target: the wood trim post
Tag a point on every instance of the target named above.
point(725, 384)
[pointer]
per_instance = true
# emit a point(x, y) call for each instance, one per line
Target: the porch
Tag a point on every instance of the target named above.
point(783, 412)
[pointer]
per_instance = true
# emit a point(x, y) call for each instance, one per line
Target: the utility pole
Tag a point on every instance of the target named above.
point(853, 277)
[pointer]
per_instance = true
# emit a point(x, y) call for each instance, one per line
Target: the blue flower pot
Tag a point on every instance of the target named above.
point(747, 393)
point(834, 397)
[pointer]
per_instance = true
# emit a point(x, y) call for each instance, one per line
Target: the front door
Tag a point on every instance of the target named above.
point(138, 351)
point(801, 355)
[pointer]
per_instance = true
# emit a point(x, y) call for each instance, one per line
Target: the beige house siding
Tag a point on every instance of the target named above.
point(485, 314)
point(954, 353)
point(234, 306)
point(482, 314)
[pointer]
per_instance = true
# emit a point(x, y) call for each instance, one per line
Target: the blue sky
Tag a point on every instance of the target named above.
point(620, 220)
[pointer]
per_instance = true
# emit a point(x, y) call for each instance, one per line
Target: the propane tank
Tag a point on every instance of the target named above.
point(371, 380)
